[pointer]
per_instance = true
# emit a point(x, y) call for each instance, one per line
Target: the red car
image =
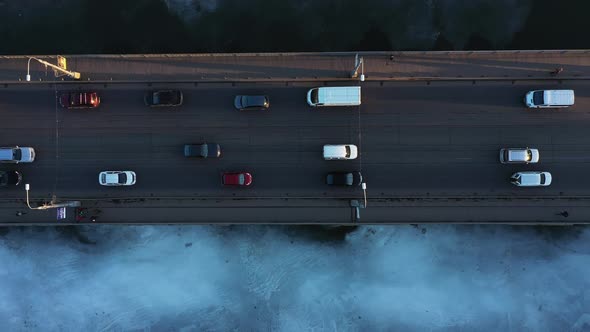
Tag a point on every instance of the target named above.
point(236, 179)
point(79, 100)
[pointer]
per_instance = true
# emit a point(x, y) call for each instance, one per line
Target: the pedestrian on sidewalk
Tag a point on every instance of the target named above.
point(81, 213)
point(557, 71)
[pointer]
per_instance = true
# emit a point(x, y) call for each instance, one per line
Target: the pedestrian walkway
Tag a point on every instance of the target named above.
point(572, 64)
point(310, 211)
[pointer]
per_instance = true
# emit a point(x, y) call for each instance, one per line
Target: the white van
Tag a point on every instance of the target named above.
point(17, 155)
point(531, 179)
point(334, 96)
point(549, 98)
point(340, 152)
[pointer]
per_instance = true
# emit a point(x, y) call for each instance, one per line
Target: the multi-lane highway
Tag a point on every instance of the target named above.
point(416, 140)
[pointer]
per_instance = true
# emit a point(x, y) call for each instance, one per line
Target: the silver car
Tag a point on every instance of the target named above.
point(117, 178)
point(519, 156)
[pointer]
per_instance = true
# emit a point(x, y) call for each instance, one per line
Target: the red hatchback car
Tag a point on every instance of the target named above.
point(79, 100)
point(236, 179)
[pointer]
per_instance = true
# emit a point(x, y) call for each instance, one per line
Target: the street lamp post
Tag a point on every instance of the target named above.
point(52, 204)
point(72, 74)
point(364, 186)
point(359, 63)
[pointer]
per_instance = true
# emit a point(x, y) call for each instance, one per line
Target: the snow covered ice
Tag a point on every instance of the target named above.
point(288, 278)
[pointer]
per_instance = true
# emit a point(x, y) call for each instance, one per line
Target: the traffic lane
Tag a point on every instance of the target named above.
point(475, 179)
point(461, 104)
point(400, 104)
point(28, 108)
point(296, 180)
point(444, 144)
point(293, 180)
point(129, 98)
point(204, 180)
point(203, 107)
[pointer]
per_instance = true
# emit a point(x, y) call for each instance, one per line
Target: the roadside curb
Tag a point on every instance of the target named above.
point(303, 80)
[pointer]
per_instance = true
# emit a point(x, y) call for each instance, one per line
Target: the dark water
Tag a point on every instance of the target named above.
point(151, 26)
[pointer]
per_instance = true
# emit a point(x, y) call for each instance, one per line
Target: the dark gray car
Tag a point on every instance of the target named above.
point(163, 98)
point(10, 178)
point(203, 150)
point(255, 103)
point(344, 178)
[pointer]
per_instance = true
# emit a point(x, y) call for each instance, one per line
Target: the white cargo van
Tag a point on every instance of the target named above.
point(334, 96)
point(549, 98)
point(340, 152)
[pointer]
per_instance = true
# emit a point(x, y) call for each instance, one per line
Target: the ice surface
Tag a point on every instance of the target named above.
point(263, 278)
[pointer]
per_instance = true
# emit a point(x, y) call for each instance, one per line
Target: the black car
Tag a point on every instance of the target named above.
point(344, 178)
point(163, 98)
point(255, 103)
point(10, 178)
point(204, 150)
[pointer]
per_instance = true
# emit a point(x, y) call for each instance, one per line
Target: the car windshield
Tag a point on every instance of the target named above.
point(529, 155)
point(17, 154)
point(314, 96)
point(122, 178)
point(347, 151)
point(241, 179)
point(349, 179)
point(538, 98)
point(542, 178)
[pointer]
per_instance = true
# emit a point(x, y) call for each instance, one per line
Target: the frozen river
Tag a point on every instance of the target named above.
point(263, 278)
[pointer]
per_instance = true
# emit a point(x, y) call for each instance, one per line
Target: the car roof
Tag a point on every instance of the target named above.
point(517, 154)
point(559, 97)
point(341, 94)
point(6, 153)
point(530, 179)
point(112, 178)
point(255, 100)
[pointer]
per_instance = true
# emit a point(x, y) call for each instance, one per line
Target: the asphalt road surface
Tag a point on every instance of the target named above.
point(416, 139)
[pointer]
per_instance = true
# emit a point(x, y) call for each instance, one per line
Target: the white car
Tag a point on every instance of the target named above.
point(340, 152)
point(519, 156)
point(117, 178)
point(531, 179)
